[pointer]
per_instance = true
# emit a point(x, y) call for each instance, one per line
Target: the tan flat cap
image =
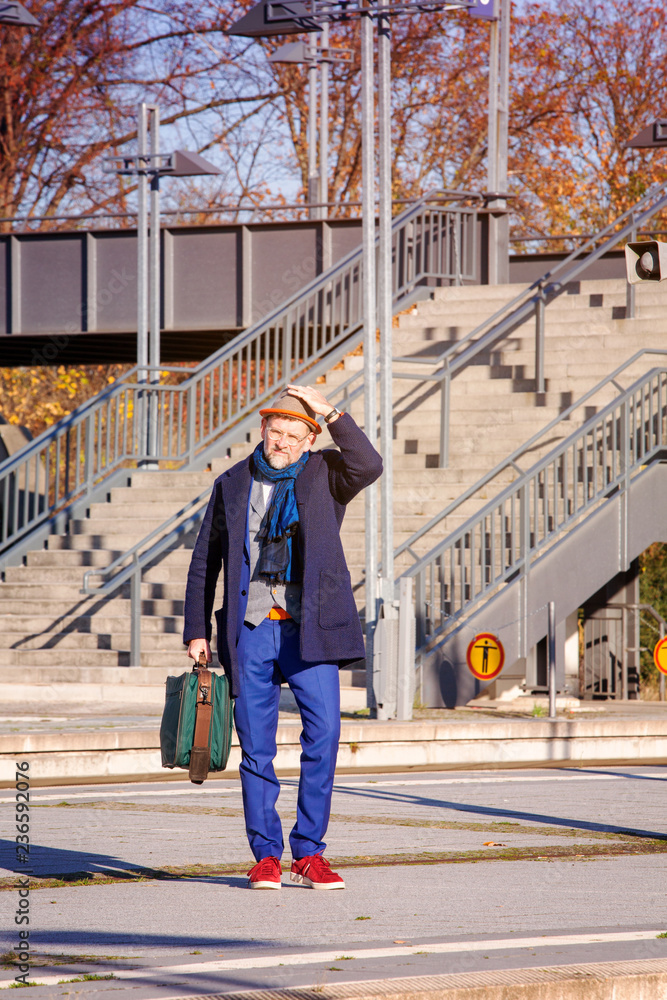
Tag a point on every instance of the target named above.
point(288, 405)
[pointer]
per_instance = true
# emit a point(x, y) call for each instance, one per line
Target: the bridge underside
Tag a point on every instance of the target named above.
point(105, 348)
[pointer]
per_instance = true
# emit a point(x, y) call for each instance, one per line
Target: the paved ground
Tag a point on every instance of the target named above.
point(445, 873)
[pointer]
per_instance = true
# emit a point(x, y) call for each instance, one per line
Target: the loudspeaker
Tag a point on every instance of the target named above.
point(646, 261)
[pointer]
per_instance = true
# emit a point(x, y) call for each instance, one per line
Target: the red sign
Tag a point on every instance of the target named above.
point(660, 656)
point(485, 656)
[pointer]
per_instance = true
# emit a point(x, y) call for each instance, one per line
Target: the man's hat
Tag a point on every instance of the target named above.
point(287, 405)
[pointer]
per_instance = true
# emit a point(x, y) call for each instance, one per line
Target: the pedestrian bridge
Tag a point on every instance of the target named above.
point(71, 297)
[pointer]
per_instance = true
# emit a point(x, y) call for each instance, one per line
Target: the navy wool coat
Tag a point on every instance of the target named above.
point(330, 631)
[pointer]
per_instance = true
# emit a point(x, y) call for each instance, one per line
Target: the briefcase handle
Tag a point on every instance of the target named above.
point(201, 664)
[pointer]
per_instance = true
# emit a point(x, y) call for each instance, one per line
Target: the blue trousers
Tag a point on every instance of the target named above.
point(267, 654)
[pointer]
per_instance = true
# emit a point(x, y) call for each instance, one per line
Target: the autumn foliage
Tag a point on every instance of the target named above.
point(585, 77)
point(36, 398)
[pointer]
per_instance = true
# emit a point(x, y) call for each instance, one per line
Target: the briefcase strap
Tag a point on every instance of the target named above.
point(204, 709)
point(200, 754)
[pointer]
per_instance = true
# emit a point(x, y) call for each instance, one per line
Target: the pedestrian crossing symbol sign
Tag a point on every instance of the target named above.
point(486, 656)
point(660, 656)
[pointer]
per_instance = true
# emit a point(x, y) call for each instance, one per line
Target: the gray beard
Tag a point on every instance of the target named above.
point(277, 464)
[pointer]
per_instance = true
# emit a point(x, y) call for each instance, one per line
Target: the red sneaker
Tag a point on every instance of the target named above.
point(315, 872)
point(265, 874)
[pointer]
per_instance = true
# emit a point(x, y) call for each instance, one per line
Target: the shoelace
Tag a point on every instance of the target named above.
point(267, 866)
point(317, 862)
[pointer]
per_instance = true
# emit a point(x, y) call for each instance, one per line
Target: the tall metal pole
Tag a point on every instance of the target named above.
point(551, 649)
point(504, 96)
point(142, 246)
point(370, 323)
point(142, 279)
point(492, 157)
point(154, 268)
point(324, 121)
point(312, 128)
point(385, 303)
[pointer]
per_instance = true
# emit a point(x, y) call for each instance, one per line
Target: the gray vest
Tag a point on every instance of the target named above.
point(262, 594)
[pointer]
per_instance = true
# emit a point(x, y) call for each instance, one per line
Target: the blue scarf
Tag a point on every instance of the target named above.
point(281, 520)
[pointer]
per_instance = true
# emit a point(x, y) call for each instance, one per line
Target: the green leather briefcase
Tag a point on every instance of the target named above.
point(196, 728)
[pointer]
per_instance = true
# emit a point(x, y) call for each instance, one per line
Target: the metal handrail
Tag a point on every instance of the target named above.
point(512, 459)
point(140, 560)
point(532, 300)
point(73, 459)
point(501, 541)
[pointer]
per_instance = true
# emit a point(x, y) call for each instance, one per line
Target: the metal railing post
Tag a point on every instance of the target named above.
point(135, 614)
point(88, 450)
point(524, 542)
point(445, 391)
point(191, 418)
point(420, 604)
point(539, 340)
point(405, 693)
point(552, 660)
point(630, 289)
point(624, 486)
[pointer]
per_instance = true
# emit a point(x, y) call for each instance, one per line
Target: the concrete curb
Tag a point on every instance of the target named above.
point(640, 980)
point(117, 754)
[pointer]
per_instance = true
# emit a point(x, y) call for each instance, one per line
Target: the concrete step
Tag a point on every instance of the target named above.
point(195, 480)
point(141, 510)
point(99, 640)
point(26, 624)
point(177, 496)
point(90, 558)
point(65, 607)
point(105, 754)
point(490, 295)
point(114, 523)
point(110, 541)
point(74, 574)
point(71, 591)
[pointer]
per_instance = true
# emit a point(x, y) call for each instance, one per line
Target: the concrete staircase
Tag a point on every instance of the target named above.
point(67, 639)
point(494, 406)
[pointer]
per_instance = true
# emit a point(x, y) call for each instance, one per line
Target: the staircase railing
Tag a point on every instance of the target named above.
point(532, 301)
point(112, 431)
point(511, 461)
point(520, 524)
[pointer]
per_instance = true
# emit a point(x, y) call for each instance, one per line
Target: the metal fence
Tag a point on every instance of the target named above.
point(133, 422)
point(499, 543)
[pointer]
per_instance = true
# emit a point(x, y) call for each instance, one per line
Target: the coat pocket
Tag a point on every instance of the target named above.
point(336, 600)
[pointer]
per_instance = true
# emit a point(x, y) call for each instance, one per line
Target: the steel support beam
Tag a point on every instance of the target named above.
point(370, 346)
point(385, 311)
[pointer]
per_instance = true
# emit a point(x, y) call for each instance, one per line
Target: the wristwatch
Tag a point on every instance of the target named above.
point(334, 413)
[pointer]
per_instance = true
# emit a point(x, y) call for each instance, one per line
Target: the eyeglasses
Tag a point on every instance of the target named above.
point(291, 440)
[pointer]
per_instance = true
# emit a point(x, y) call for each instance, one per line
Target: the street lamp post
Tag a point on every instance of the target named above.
point(370, 344)
point(498, 13)
point(147, 167)
point(385, 305)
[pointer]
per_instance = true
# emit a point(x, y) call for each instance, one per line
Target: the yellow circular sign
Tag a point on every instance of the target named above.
point(485, 656)
point(660, 656)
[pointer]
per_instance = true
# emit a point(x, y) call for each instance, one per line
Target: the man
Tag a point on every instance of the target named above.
point(288, 613)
